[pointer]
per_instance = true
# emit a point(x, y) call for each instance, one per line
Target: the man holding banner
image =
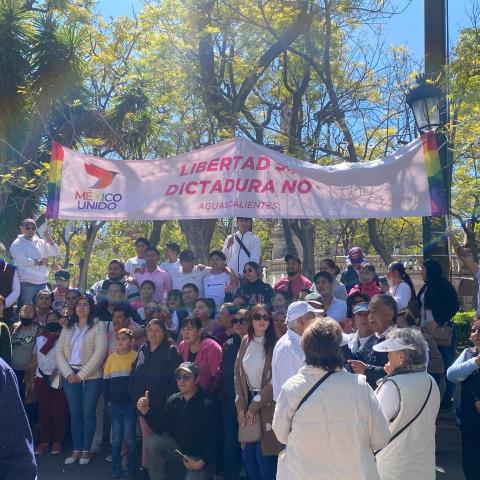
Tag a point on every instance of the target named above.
point(242, 247)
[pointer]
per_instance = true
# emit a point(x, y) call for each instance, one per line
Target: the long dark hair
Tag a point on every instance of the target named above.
point(331, 264)
point(434, 271)
point(194, 322)
point(270, 335)
point(91, 314)
point(400, 268)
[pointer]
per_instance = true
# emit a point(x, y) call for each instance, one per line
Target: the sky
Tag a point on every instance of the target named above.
point(403, 29)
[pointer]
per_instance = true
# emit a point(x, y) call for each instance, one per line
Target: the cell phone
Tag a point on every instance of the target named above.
point(178, 452)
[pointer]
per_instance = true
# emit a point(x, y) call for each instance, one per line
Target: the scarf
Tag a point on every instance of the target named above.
point(51, 337)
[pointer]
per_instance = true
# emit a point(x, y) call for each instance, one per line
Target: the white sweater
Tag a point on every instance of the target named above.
point(334, 433)
point(236, 256)
point(25, 252)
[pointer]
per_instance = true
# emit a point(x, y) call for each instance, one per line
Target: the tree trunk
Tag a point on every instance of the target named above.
point(156, 231)
point(376, 242)
point(287, 231)
point(199, 235)
point(91, 233)
point(305, 230)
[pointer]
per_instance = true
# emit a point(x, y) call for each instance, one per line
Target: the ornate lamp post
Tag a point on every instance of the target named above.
point(427, 103)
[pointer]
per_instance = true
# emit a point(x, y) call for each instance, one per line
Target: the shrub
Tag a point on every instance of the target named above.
point(462, 321)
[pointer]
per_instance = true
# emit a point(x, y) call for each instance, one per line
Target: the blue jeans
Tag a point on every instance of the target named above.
point(28, 292)
point(124, 421)
point(232, 453)
point(82, 401)
point(448, 356)
point(257, 465)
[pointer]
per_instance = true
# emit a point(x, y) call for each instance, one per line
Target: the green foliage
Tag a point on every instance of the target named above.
point(463, 322)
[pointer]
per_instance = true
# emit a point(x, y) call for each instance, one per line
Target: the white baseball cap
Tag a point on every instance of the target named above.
point(393, 345)
point(298, 309)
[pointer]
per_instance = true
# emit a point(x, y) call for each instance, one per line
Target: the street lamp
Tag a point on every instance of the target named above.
point(424, 101)
point(427, 103)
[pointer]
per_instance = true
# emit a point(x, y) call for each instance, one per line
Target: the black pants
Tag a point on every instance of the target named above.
point(470, 451)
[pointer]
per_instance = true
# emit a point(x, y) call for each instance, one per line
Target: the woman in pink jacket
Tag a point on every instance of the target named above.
point(205, 352)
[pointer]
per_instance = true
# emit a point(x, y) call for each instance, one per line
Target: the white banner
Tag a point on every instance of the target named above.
point(237, 178)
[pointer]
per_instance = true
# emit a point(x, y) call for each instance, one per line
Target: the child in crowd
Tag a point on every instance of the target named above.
point(52, 403)
point(172, 251)
point(122, 410)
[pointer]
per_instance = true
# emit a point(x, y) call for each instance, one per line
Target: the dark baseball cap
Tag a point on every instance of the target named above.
point(62, 275)
point(289, 256)
point(189, 367)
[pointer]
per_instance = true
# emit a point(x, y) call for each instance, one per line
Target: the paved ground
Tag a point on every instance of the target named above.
point(448, 459)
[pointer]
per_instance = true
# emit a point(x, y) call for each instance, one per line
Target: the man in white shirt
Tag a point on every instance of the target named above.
point(191, 273)
point(30, 254)
point(288, 355)
point(9, 285)
point(135, 264)
point(242, 247)
point(171, 254)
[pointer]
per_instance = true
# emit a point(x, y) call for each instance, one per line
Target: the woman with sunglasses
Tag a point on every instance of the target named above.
point(255, 290)
point(232, 453)
point(254, 393)
point(80, 353)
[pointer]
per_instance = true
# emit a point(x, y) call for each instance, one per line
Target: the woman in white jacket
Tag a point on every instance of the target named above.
point(331, 433)
point(81, 351)
point(410, 399)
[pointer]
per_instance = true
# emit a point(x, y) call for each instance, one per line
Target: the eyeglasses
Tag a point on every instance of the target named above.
point(183, 376)
point(241, 320)
point(31, 227)
point(267, 317)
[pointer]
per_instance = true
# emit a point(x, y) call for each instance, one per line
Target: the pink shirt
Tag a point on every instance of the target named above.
point(371, 289)
point(208, 360)
point(297, 283)
point(161, 279)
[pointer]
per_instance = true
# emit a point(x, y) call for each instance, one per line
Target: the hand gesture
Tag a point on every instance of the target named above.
point(241, 418)
point(430, 326)
point(358, 366)
point(191, 464)
point(388, 368)
point(249, 418)
point(230, 240)
point(48, 237)
point(143, 404)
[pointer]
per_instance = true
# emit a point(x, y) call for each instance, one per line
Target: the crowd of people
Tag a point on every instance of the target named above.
point(190, 371)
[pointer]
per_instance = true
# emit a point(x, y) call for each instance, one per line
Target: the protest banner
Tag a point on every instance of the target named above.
point(238, 177)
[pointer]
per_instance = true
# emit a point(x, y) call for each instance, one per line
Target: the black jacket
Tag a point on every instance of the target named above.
point(229, 355)
point(155, 372)
point(104, 314)
point(375, 361)
point(194, 424)
point(441, 298)
point(257, 292)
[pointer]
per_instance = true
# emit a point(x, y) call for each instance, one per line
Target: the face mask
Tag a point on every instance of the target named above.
point(356, 261)
point(53, 327)
point(26, 321)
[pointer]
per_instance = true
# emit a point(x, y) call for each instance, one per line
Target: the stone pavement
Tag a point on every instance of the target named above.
point(448, 459)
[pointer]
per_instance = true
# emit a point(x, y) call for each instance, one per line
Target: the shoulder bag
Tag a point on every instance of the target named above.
point(411, 421)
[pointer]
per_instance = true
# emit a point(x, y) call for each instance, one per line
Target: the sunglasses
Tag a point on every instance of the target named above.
point(267, 317)
point(183, 376)
point(31, 227)
point(241, 320)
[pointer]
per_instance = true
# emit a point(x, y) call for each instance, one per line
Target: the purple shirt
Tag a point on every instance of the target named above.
point(161, 279)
